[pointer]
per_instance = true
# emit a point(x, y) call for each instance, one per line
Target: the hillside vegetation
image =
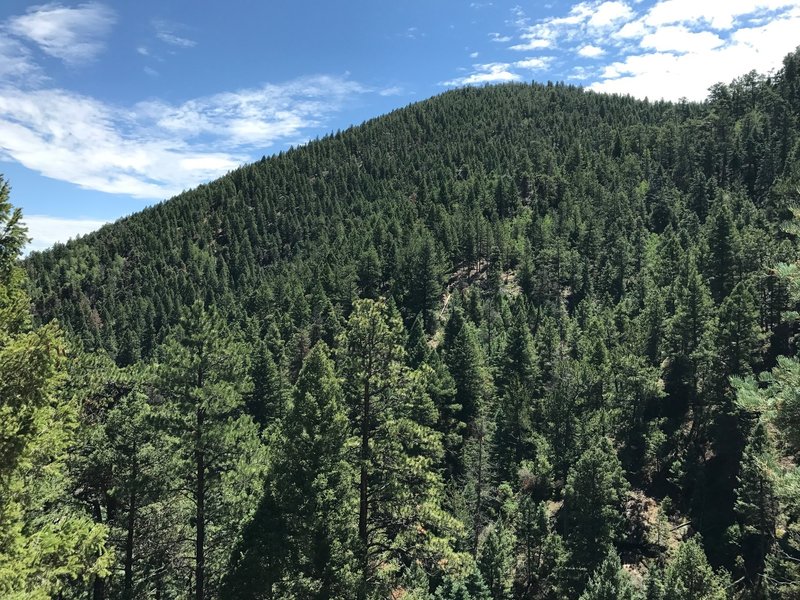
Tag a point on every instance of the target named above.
point(515, 342)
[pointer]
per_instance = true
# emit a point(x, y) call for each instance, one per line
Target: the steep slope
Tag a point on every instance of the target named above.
point(438, 162)
point(523, 306)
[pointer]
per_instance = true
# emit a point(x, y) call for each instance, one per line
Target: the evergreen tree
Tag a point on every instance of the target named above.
point(267, 402)
point(44, 543)
point(123, 473)
point(593, 503)
point(400, 496)
point(724, 248)
point(688, 576)
point(518, 407)
point(739, 337)
point(315, 477)
point(757, 506)
point(609, 582)
point(369, 274)
point(544, 557)
point(419, 280)
point(496, 560)
point(466, 366)
point(202, 376)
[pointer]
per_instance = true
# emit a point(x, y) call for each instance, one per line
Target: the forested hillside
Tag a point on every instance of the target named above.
point(522, 341)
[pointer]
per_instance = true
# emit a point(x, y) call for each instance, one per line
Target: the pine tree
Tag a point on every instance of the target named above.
point(419, 280)
point(688, 576)
point(517, 383)
point(315, 477)
point(757, 507)
point(724, 249)
point(267, 401)
point(609, 582)
point(122, 471)
point(738, 336)
point(593, 503)
point(686, 341)
point(44, 543)
point(542, 550)
point(400, 495)
point(496, 559)
point(369, 274)
point(202, 376)
point(466, 366)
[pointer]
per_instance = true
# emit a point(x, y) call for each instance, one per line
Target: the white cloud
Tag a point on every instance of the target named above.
point(500, 72)
point(73, 35)
point(155, 149)
point(176, 40)
point(677, 38)
point(496, 37)
point(394, 90)
point(474, 54)
point(533, 44)
point(486, 73)
point(718, 14)
point(45, 230)
point(589, 51)
point(632, 29)
point(534, 64)
point(665, 49)
point(608, 13)
point(681, 50)
point(16, 61)
point(590, 20)
point(165, 32)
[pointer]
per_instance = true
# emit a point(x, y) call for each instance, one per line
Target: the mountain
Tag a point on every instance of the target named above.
point(495, 344)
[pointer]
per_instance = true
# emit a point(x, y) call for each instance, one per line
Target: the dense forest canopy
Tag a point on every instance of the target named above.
point(520, 341)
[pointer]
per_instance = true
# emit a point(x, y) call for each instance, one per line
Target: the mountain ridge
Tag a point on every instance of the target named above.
point(491, 345)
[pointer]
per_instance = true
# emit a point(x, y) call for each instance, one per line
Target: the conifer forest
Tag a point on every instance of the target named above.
point(521, 341)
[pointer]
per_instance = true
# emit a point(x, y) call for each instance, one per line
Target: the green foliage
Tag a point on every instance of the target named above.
point(202, 376)
point(601, 265)
point(44, 542)
point(609, 582)
point(401, 516)
point(688, 576)
point(593, 503)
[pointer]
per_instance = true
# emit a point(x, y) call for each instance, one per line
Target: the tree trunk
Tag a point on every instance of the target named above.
point(129, 538)
point(200, 515)
point(363, 489)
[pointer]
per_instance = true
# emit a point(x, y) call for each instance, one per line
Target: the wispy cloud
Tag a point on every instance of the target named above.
point(166, 32)
point(155, 149)
point(73, 35)
point(499, 72)
point(501, 39)
point(45, 230)
point(486, 73)
point(16, 62)
point(667, 49)
point(534, 64)
point(585, 21)
point(394, 90)
point(149, 149)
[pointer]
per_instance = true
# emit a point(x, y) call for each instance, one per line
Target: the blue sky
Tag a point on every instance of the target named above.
point(106, 107)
